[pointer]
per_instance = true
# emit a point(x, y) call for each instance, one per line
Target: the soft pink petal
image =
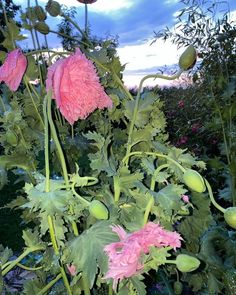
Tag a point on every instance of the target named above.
point(13, 69)
point(76, 87)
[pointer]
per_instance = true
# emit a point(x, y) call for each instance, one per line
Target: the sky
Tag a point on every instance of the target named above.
point(134, 22)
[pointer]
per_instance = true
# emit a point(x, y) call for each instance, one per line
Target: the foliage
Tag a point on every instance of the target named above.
point(120, 158)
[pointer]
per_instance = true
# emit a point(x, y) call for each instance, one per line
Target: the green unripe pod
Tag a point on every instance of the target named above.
point(187, 263)
point(42, 28)
point(53, 8)
point(178, 288)
point(98, 210)
point(188, 58)
point(12, 138)
point(40, 13)
point(194, 180)
point(230, 216)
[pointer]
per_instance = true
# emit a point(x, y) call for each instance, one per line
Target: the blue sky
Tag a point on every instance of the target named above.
point(134, 22)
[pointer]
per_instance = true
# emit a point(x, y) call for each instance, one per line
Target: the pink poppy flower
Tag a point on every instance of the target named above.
point(13, 69)
point(124, 257)
point(185, 198)
point(76, 87)
point(72, 269)
point(181, 104)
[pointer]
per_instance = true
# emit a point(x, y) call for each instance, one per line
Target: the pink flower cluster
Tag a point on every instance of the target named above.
point(13, 69)
point(124, 257)
point(76, 88)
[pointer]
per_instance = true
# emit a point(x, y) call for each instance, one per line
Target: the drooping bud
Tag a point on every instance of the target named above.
point(230, 216)
point(40, 13)
point(53, 8)
point(187, 263)
point(12, 138)
point(42, 28)
point(178, 288)
point(194, 180)
point(188, 58)
point(98, 210)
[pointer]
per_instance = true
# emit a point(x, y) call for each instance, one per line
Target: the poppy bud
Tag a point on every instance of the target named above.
point(194, 180)
point(187, 263)
point(40, 13)
point(53, 8)
point(230, 216)
point(98, 210)
point(188, 58)
point(42, 28)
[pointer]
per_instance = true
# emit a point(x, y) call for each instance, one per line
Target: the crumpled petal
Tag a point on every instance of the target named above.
point(13, 69)
point(76, 87)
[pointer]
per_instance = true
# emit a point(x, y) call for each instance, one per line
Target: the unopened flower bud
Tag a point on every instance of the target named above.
point(188, 58)
point(40, 13)
point(230, 216)
point(187, 263)
point(194, 180)
point(98, 210)
point(53, 8)
point(42, 28)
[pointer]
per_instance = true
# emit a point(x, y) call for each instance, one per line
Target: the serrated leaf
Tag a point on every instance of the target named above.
point(5, 254)
point(31, 238)
point(138, 285)
point(86, 251)
point(169, 198)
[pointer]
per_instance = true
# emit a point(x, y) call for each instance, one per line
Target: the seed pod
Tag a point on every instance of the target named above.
point(12, 138)
point(42, 28)
point(98, 210)
point(194, 180)
point(187, 263)
point(178, 288)
point(40, 13)
point(188, 58)
point(230, 216)
point(53, 8)
point(30, 14)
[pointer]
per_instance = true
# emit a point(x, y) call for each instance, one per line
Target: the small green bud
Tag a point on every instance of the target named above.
point(187, 263)
point(40, 13)
point(178, 288)
point(230, 216)
point(12, 138)
point(194, 180)
point(53, 8)
point(42, 28)
point(188, 58)
point(98, 210)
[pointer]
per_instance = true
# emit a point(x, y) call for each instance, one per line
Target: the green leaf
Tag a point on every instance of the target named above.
point(169, 198)
point(5, 254)
point(31, 238)
point(100, 161)
point(86, 251)
point(138, 285)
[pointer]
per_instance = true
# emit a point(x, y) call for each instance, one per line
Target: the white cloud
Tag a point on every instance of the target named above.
point(140, 58)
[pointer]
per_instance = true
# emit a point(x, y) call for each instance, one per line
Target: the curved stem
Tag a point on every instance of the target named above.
point(135, 112)
point(16, 261)
point(153, 154)
point(50, 284)
point(57, 143)
point(87, 203)
point(147, 210)
point(153, 181)
point(212, 197)
point(29, 268)
point(26, 80)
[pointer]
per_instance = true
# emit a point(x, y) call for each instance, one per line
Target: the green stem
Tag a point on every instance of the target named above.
point(46, 145)
point(135, 112)
point(138, 153)
point(52, 235)
point(87, 203)
point(212, 197)
point(57, 143)
point(85, 284)
point(153, 180)
point(147, 210)
point(86, 19)
point(29, 268)
point(110, 291)
point(32, 99)
point(50, 284)
point(116, 188)
point(16, 261)
point(3, 105)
